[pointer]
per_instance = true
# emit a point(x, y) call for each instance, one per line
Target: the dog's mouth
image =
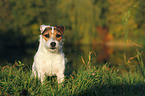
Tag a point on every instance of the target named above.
point(52, 48)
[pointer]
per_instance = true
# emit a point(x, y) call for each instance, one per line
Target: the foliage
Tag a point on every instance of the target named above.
point(22, 19)
point(80, 20)
point(115, 15)
point(140, 13)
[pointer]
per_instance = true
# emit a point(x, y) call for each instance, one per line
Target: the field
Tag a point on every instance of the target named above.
point(86, 81)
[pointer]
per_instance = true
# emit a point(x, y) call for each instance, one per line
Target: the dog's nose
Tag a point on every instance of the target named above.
point(52, 44)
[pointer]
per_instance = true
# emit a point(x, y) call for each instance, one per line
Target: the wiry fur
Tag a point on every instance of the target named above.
point(48, 62)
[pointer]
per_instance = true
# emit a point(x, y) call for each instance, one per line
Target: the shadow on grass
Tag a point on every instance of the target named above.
point(114, 90)
point(107, 90)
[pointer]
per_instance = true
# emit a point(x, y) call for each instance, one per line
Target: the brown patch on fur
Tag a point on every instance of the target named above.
point(48, 32)
point(55, 34)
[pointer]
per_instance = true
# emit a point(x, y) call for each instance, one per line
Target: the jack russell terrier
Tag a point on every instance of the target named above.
point(49, 59)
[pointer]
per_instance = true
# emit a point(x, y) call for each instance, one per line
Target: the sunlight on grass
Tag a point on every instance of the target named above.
point(95, 80)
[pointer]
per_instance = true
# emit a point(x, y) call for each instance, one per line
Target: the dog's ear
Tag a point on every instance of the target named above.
point(42, 27)
point(61, 28)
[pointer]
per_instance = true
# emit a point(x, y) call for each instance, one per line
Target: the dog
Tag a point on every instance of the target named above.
point(49, 60)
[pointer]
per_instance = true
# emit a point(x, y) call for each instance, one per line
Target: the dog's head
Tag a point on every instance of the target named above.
point(52, 36)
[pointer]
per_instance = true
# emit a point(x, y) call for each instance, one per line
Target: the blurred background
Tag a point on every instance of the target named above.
point(110, 28)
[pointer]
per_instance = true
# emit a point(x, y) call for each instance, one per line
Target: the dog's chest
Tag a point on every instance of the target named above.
point(50, 64)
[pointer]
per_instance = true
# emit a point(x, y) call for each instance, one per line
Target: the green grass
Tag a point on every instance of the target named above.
point(86, 81)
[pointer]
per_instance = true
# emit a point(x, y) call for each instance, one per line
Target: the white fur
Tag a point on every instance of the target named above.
point(52, 29)
point(48, 62)
point(42, 27)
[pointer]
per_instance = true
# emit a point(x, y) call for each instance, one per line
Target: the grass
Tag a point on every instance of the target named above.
point(86, 81)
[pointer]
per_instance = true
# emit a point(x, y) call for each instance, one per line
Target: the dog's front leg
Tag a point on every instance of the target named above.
point(41, 77)
point(60, 77)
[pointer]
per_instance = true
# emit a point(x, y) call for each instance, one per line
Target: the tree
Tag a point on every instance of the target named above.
point(82, 16)
point(140, 13)
point(114, 17)
point(22, 18)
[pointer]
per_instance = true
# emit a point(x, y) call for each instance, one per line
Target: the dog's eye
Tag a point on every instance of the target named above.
point(57, 35)
point(47, 35)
